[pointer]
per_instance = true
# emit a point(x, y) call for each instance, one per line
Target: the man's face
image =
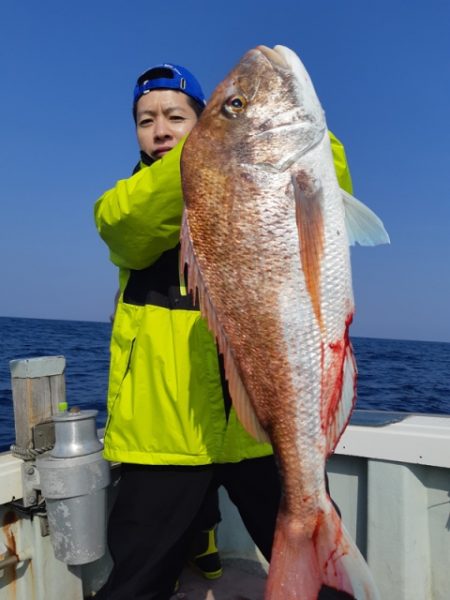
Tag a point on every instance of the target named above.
point(163, 117)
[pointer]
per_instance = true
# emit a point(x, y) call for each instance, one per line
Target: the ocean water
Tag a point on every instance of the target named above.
point(394, 375)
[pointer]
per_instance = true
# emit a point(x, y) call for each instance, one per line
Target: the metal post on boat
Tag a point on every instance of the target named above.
point(38, 393)
point(38, 389)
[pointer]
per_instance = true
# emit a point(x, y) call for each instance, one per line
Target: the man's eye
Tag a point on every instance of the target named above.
point(176, 118)
point(145, 122)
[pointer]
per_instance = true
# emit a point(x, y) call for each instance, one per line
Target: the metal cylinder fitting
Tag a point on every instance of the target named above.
point(74, 477)
point(75, 434)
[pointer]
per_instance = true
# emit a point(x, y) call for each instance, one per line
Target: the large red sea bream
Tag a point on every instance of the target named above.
point(266, 236)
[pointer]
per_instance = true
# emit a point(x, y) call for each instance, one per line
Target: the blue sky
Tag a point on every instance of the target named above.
point(381, 70)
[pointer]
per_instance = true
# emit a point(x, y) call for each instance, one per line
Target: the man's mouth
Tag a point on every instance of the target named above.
point(162, 150)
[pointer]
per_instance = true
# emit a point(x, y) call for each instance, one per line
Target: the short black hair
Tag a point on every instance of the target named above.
point(196, 106)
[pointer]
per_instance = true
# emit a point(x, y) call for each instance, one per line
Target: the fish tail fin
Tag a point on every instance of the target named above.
point(324, 566)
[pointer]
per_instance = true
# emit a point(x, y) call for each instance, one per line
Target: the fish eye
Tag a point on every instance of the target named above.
point(234, 105)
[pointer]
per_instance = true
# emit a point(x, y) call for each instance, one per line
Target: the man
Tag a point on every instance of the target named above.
point(170, 419)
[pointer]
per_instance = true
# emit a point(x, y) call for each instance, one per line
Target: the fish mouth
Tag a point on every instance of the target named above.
point(281, 57)
point(274, 55)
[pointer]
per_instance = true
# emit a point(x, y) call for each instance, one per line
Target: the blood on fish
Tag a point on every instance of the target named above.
point(332, 381)
point(336, 346)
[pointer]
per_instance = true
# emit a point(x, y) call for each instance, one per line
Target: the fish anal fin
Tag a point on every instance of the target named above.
point(308, 209)
point(239, 396)
point(338, 390)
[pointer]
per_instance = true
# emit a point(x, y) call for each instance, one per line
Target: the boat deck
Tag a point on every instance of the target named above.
point(241, 580)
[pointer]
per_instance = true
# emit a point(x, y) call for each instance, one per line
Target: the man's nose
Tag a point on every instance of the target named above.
point(161, 129)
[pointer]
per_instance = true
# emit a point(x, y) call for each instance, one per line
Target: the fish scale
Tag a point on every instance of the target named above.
point(265, 237)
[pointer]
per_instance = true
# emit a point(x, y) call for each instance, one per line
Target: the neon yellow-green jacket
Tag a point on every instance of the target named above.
point(165, 401)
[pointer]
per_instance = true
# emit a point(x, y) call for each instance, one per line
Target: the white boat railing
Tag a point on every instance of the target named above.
point(390, 477)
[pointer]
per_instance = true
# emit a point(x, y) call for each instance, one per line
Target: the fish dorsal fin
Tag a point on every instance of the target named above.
point(363, 225)
point(239, 396)
point(341, 399)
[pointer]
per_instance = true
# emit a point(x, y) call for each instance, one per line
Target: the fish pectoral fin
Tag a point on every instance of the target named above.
point(309, 216)
point(363, 225)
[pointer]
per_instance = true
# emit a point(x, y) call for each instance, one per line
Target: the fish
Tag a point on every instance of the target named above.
point(265, 240)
